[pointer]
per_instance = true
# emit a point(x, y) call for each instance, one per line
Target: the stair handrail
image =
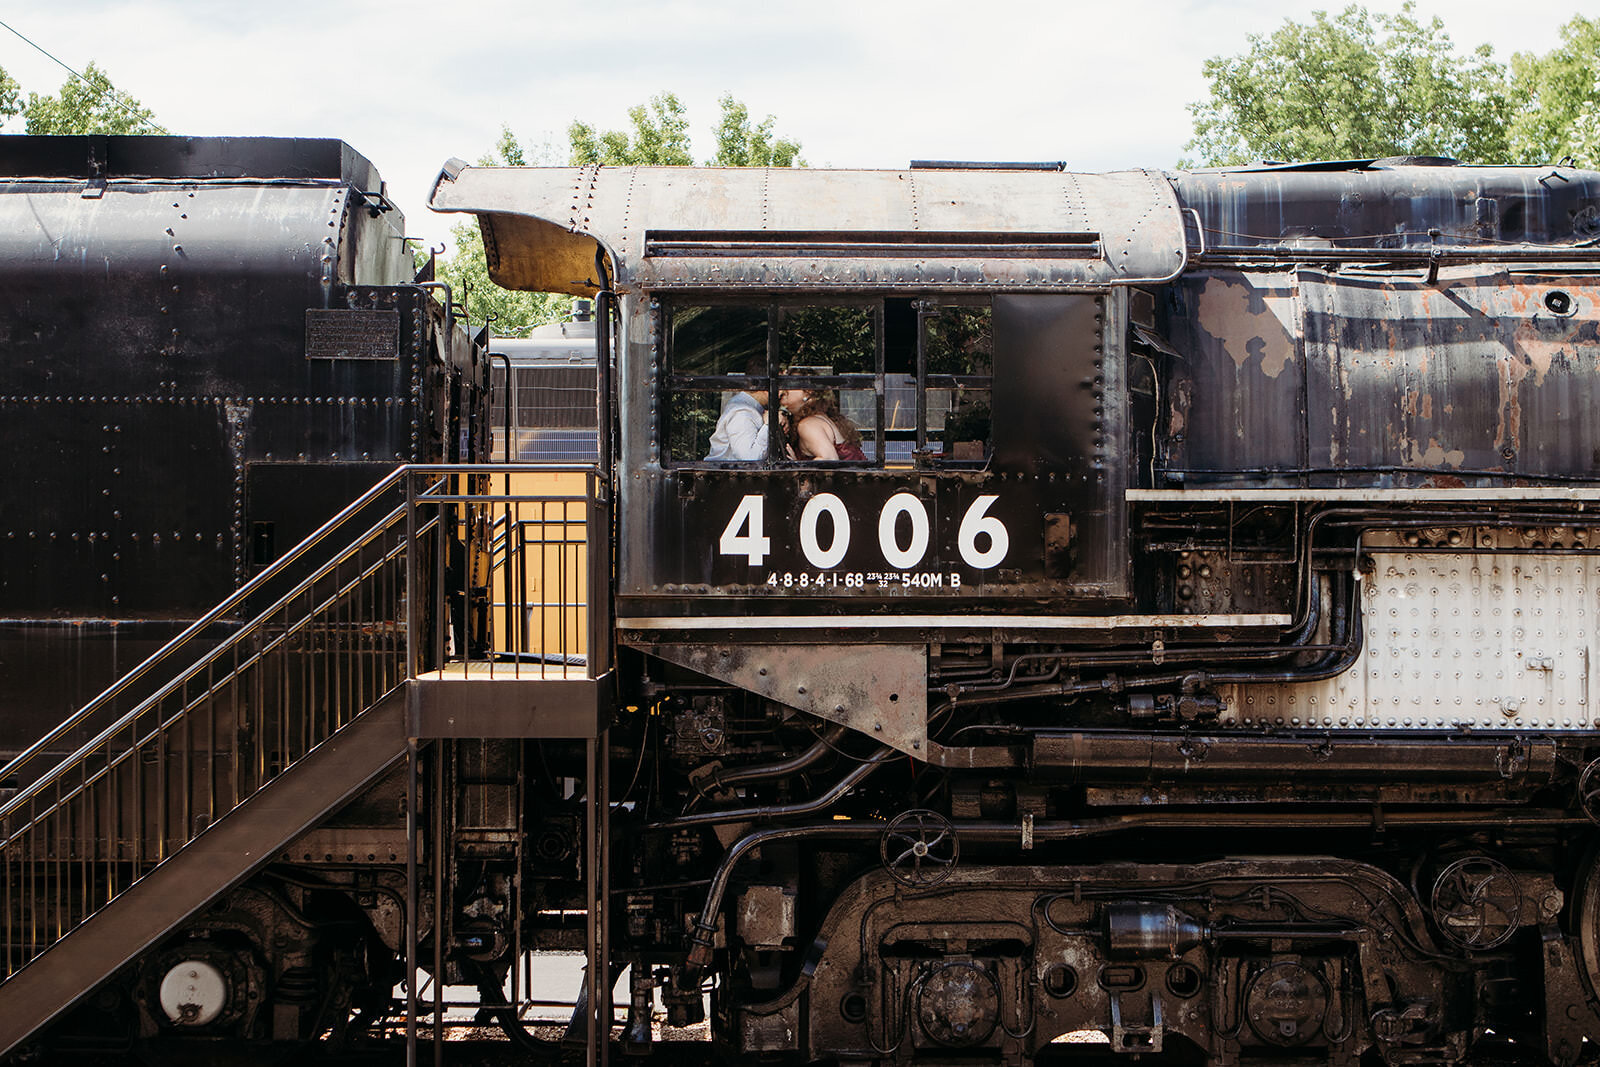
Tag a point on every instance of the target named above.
point(412, 532)
point(274, 570)
point(596, 489)
point(44, 781)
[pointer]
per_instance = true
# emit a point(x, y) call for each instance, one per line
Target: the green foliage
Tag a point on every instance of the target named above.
point(741, 145)
point(10, 97)
point(960, 340)
point(1584, 139)
point(660, 136)
point(508, 151)
point(691, 420)
point(89, 105)
point(1561, 90)
point(1354, 86)
point(510, 312)
point(832, 339)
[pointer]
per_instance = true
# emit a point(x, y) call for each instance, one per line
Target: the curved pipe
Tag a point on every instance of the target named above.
point(449, 312)
point(779, 811)
point(1348, 638)
point(1342, 651)
point(705, 924)
point(793, 765)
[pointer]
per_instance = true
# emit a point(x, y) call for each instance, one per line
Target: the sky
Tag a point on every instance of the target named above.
point(859, 83)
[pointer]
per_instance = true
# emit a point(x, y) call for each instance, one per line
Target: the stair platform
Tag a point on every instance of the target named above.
point(486, 699)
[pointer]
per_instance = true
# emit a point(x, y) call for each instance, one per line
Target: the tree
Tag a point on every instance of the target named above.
point(1561, 116)
point(659, 136)
point(741, 145)
point(1584, 140)
point(90, 104)
point(1355, 86)
point(10, 97)
point(509, 312)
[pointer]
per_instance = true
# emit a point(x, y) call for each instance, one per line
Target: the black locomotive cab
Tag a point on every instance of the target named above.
point(966, 338)
point(964, 490)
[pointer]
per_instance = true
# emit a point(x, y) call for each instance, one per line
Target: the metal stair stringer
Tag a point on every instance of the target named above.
point(226, 853)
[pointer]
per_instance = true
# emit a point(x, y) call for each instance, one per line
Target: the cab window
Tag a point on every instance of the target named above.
point(903, 382)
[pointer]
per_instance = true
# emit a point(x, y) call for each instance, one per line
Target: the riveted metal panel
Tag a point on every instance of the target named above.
point(804, 228)
point(1497, 641)
point(880, 690)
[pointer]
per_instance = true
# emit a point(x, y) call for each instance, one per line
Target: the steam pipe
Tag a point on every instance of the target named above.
point(1343, 651)
point(793, 765)
point(778, 811)
point(705, 924)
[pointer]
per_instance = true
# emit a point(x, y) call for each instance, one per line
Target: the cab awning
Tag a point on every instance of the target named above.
point(802, 228)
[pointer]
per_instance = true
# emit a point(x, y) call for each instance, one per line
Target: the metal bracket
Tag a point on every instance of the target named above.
point(878, 690)
point(1132, 1038)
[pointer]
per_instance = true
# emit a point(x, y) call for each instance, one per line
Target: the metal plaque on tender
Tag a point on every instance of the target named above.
point(340, 334)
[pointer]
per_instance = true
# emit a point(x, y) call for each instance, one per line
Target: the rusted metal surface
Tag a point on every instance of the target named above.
point(1474, 374)
point(752, 228)
point(1392, 207)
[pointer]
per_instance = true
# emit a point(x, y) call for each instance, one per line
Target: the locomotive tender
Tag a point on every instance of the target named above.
point(1198, 662)
point(212, 345)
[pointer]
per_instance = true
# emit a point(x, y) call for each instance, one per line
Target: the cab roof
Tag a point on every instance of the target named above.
point(802, 228)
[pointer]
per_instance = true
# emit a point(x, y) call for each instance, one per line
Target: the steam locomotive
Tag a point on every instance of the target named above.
point(1195, 666)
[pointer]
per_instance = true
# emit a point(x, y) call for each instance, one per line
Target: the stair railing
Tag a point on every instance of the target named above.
point(412, 590)
point(181, 645)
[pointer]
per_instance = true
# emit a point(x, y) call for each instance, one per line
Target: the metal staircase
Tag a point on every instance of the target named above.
point(280, 705)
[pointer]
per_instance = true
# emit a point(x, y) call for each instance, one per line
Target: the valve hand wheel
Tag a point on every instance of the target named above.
point(1589, 791)
point(1477, 903)
point(919, 848)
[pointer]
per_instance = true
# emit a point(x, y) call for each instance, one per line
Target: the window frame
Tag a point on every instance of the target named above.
point(928, 308)
point(924, 305)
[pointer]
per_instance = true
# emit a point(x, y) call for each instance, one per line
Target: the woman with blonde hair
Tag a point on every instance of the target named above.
point(816, 429)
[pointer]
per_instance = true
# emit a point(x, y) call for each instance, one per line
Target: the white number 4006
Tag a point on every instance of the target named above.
point(745, 534)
